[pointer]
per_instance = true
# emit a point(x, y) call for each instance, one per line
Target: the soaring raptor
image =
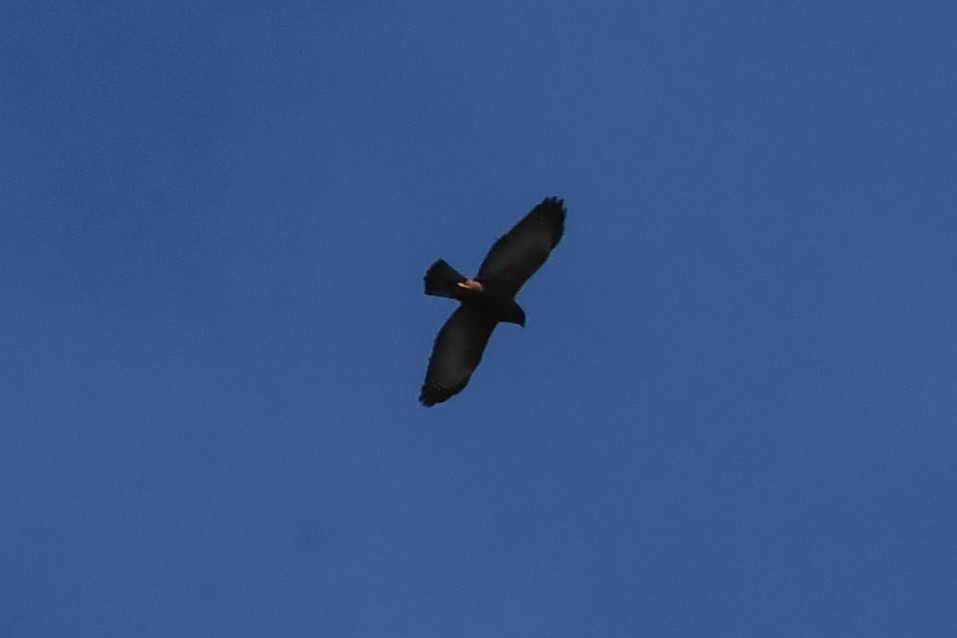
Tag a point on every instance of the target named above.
point(487, 299)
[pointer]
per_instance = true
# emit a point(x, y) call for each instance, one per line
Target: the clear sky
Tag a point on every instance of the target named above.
point(731, 412)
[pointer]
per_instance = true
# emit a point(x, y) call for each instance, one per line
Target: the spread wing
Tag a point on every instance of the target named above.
point(457, 351)
point(519, 253)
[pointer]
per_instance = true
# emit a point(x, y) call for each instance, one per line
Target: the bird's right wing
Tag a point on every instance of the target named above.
point(521, 251)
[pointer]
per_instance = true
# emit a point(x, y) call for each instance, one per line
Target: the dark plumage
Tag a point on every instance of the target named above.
point(487, 299)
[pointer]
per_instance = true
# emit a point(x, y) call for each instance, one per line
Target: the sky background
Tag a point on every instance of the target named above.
point(731, 413)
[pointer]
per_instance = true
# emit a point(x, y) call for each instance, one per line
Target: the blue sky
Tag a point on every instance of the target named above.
point(732, 410)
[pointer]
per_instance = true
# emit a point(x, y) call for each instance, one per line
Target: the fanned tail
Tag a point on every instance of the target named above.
point(440, 280)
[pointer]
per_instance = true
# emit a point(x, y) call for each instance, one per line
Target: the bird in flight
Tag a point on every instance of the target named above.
point(487, 299)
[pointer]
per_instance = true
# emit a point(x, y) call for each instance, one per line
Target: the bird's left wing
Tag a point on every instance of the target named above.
point(457, 351)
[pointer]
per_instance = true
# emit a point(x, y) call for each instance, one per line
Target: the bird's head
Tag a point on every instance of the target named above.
point(515, 314)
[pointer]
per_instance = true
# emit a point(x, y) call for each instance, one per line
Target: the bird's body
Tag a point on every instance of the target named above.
point(486, 300)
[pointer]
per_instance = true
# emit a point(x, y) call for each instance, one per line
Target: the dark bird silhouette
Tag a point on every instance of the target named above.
point(487, 299)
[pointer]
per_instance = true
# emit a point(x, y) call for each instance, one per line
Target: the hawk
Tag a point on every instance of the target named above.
point(487, 299)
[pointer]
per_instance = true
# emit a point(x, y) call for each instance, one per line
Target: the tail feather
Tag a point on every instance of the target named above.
point(440, 280)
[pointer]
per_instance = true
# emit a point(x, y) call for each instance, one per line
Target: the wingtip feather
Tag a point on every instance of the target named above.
point(553, 210)
point(433, 394)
